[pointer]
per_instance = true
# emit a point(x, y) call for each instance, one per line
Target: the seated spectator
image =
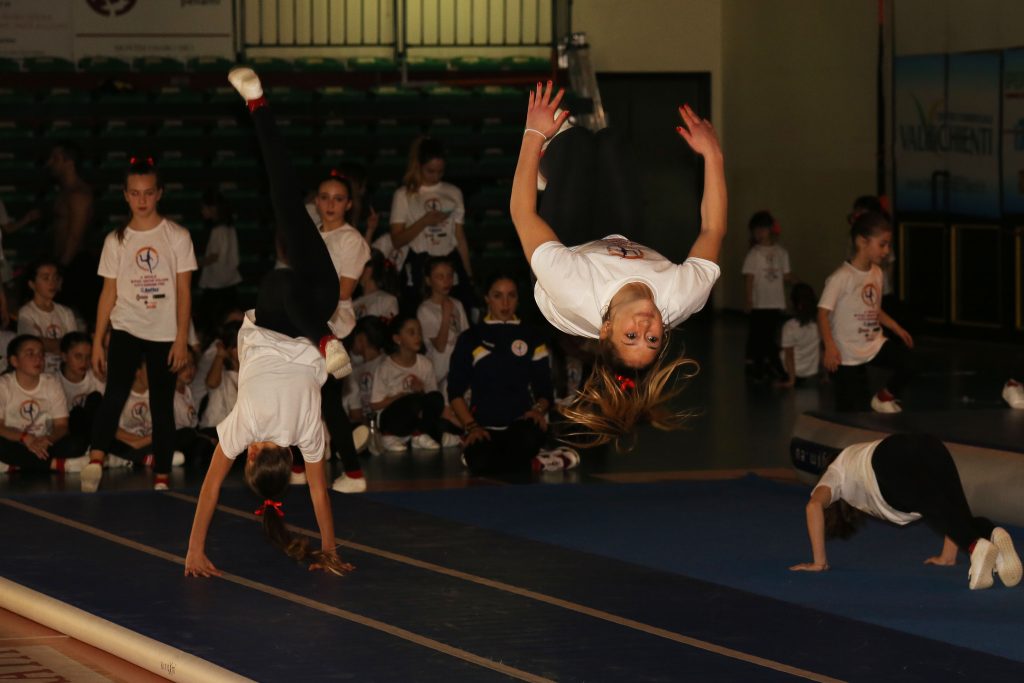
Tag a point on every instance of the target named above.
point(801, 342)
point(441, 317)
point(199, 388)
point(222, 378)
point(44, 318)
point(377, 287)
point(34, 433)
point(82, 389)
point(219, 278)
point(196, 446)
point(503, 364)
point(369, 339)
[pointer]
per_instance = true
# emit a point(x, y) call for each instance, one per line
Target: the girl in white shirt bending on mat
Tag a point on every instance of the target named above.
point(146, 303)
point(850, 320)
point(286, 351)
point(620, 292)
point(901, 479)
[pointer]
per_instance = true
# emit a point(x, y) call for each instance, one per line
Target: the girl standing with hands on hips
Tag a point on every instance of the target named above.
point(146, 302)
point(612, 289)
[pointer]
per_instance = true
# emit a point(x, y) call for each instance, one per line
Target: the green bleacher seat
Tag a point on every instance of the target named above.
point(229, 128)
point(337, 156)
point(496, 161)
point(227, 158)
point(490, 197)
point(282, 94)
point(269, 64)
point(247, 229)
point(66, 97)
point(176, 95)
point(342, 133)
point(337, 93)
point(210, 64)
point(395, 92)
point(102, 64)
point(47, 64)
point(444, 128)
point(13, 130)
point(526, 63)
point(9, 65)
point(474, 63)
point(224, 95)
point(157, 65)
point(320, 64)
point(119, 129)
point(234, 192)
point(497, 133)
point(448, 92)
point(372, 64)
point(426, 64)
point(500, 91)
point(9, 97)
point(178, 129)
point(391, 134)
point(173, 158)
point(72, 130)
point(460, 166)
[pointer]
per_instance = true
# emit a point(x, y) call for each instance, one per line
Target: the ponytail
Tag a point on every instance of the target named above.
point(423, 150)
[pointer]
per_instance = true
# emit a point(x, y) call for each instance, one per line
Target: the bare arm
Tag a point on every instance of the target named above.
point(815, 512)
point(832, 357)
point(402, 234)
point(440, 342)
point(886, 320)
point(178, 355)
point(108, 297)
point(317, 481)
point(59, 429)
point(196, 562)
point(463, 246)
point(79, 205)
point(700, 136)
point(346, 288)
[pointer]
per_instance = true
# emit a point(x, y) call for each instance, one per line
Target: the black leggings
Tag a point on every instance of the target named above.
point(509, 451)
point(16, 454)
point(338, 425)
point(852, 392)
point(296, 301)
point(123, 358)
point(591, 183)
point(763, 338)
point(916, 473)
point(415, 413)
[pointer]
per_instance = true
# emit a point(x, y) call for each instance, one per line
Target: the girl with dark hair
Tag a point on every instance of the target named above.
point(442, 318)
point(146, 302)
point(801, 343)
point(850, 320)
point(219, 278)
point(427, 215)
point(612, 289)
point(765, 274)
point(377, 287)
point(901, 479)
point(286, 351)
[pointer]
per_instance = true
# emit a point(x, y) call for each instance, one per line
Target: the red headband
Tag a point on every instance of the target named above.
point(135, 160)
point(625, 383)
point(335, 173)
point(274, 505)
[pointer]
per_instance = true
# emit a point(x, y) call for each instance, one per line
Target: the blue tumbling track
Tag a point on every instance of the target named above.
point(668, 557)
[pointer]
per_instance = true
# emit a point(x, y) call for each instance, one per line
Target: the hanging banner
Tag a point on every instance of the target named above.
point(130, 28)
point(1013, 131)
point(970, 133)
point(35, 28)
point(920, 155)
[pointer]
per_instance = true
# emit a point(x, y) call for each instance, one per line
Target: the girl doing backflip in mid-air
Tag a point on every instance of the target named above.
point(612, 289)
point(286, 352)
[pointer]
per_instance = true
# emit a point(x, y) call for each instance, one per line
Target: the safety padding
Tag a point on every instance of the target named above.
point(987, 446)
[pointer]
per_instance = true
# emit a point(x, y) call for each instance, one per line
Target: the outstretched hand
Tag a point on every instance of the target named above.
point(540, 114)
point(699, 133)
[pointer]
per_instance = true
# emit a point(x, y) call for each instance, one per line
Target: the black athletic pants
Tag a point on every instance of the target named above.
point(852, 391)
point(763, 339)
point(415, 413)
point(509, 451)
point(15, 453)
point(916, 473)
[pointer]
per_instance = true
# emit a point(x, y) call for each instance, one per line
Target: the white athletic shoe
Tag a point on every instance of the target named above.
point(394, 444)
point(298, 478)
point(344, 484)
point(177, 459)
point(1007, 561)
point(425, 442)
point(4, 467)
point(569, 456)
point(246, 82)
point(883, 405)
point(114, 461)
point(161, 485)
point(336, 357)
point(360, 437)
point(1013, 394)
point(449, 440)
point(76, 464)
point(542, 182)
point(91, 475)
point(983, 561)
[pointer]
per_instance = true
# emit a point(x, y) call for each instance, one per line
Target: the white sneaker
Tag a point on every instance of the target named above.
point(983, 561)
point(161, 486)
point(178, 459)
point(425, 442)
point(880, 405)
point(76, 464)
point(547, 461)
point(4, 467)
point(298, 478)
point(394, 444)
point(1007, 561)
point(338, 363)
point(344, 484)
point(570, 456)
point(91, 475)
point(246, 82)
point(360, 437)
point(1013, 394)
point(449, 440)
point(114, 461)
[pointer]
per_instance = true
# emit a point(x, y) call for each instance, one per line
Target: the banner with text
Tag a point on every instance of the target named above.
point(1013, 131)
point(128, 28)
point(920, 159)
point(35, 28)
point(970, 133)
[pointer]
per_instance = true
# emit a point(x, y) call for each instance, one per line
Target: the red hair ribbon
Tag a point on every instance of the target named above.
point(625, 383)
point(389, 264)
point(335, 173)
point(135, 160)
point(274, 505)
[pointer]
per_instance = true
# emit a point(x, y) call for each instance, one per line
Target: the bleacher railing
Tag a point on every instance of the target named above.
point(401, 25)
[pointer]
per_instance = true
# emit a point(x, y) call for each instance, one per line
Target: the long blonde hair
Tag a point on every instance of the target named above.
point(421, 152)
point(616, 399)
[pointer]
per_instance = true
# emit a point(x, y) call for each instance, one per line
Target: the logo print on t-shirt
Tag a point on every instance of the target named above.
point(407, 383)
point(519, 347)
point(147, 259)
point(869, 294)
point(366, 382)
point(53, 331)
point(140, 411)
point(30, 410)
point(624, 249)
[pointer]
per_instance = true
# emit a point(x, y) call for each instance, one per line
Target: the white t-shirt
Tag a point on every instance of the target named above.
point(135, 416)
point(32, 411)
point(390, 378)
point(278, 393)
point(429, 315)
point(349, 254)
point(379, 304)
point(359, 385)
point(852, 478)
point(222, 399)
point(224, 271)
point(854, 298)
point(575, 284)
point(146, 266)
point(47, 325)
point(184, 409)
point(769, 264)
point(199, 388)
point(806, 344)
point(408, 207)
point(384, 245)
point(76, 393)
